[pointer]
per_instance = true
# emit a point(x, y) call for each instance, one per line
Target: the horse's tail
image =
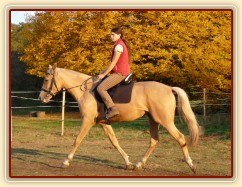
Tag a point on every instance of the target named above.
point(185, 107)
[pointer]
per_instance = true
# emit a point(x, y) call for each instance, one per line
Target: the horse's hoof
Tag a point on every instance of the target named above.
point(65, 164)
point(194, 169)
point(130, 167)
point(138, 166)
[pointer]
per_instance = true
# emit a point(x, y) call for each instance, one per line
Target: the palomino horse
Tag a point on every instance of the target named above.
point(152, 98)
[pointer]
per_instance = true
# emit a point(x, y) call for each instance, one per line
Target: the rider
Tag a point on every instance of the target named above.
point(119, 69)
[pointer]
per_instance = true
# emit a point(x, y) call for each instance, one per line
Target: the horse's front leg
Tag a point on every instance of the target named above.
point(112, 137)
point(85, 127)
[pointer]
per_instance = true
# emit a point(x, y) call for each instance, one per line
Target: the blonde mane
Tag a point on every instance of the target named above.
point(75, 73)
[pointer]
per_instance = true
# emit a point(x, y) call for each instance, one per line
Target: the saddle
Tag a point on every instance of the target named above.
point(120, 93)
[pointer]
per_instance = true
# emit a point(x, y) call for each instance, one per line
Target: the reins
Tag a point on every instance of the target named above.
point(81, 85)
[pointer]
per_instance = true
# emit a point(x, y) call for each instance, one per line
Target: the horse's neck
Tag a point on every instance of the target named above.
point(71, 81)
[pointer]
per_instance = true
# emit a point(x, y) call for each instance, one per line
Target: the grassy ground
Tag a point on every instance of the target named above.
point(37, 145)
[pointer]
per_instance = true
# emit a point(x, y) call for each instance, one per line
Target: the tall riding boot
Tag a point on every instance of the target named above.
point(114, 112)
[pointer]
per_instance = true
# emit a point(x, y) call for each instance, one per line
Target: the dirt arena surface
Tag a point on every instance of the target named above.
point(39, 152)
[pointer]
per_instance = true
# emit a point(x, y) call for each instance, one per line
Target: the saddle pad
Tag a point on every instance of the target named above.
point(119, 94)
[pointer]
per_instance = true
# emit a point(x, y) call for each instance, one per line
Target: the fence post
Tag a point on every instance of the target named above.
point(204, 106)
point(63, 111)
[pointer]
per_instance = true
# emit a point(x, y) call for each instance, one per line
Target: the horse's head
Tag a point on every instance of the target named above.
point(49, 88)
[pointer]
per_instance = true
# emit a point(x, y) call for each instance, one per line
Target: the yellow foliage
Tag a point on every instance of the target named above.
point(190, 49)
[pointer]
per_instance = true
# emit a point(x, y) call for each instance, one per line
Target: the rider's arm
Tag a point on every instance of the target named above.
point(111, 65)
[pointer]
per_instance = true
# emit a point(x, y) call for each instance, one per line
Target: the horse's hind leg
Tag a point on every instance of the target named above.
point(109, 131)
point(179, 137)
point(154, 140)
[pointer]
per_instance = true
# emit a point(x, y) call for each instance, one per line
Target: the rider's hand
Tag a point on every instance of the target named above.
point(101, 76)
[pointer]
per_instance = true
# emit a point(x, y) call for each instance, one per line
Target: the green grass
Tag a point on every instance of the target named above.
point(139, 129)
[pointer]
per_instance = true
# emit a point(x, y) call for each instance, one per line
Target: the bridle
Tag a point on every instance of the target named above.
point(49, 92)
point(53, 83)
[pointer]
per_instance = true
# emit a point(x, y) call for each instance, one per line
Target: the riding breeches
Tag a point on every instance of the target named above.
point(108, 83)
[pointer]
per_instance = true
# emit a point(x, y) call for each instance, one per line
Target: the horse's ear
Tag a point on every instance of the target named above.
point(50, 66)
point(54, 66)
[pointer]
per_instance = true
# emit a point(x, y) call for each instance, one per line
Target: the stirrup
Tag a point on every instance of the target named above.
point(106, 117)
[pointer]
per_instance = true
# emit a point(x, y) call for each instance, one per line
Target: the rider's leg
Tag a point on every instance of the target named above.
point(108, 83)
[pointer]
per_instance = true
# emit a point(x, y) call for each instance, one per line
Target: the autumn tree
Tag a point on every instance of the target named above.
point(19, 39)
point(190, 49)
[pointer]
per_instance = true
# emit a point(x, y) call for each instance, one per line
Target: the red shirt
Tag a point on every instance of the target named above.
point(122, 65)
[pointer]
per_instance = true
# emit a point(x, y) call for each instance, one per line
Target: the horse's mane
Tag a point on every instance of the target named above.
point(75, 73)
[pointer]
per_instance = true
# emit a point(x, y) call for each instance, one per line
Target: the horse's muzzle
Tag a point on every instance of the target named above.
point(43, 100)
